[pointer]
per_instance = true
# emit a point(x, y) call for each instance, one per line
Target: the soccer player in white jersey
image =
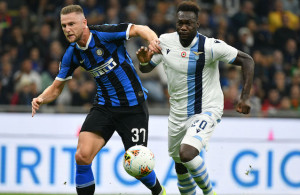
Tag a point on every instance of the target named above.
point(190, 61)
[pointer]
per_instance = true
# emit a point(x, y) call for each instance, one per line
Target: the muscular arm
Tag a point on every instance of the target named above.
point(49, 94)
point(142, 31)
point(247, 64)
point(52, 92)
point(147, 34)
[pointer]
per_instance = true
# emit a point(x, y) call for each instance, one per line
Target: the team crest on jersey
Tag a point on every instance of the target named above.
point(183, 54)
point(99, 52)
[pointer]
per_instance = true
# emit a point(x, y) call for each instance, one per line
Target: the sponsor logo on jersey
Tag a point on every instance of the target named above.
point(81, 61)
point(104, 68)
point(99, 52)
point(183, 54)
point(168, 50)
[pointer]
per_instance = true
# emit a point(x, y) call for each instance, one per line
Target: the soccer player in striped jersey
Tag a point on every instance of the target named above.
point(120, 102)
point(190, 61)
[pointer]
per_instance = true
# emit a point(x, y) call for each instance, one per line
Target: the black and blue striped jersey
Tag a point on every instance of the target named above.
point(106, 58)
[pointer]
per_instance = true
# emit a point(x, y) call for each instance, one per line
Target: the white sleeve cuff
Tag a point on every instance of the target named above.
point(127, 31)
point(60, 79)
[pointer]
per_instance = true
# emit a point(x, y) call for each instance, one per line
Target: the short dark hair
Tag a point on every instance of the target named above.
point(188, 6)
point(70, 9)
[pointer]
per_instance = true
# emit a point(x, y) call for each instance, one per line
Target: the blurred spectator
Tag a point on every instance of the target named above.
point(232, 77)
point(135, 12)
point(278, 61)
point(272, 103)
point(246, 40)
point(231, 96)
point(255, 102)
point(26, 21)
point(27, 76)
point(7, 84)
point(85, 95)
point(217, 16)
point(55, 51)
point(205, 27)
point(49, 75)
point(37, 61)
point(43, 39)
point(281, 84)
point(292, 5)
point(295, 97)
point(275, 17)
point(157, 23)
point(5, 17)
point(245, 14)
point(26, 90)
point(283, 33)
point(232, 6)
point(94, 11)
point(290, 55)
point(285, 103)
point(262, 35)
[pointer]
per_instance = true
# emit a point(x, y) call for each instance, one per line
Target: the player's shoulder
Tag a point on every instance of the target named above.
point(108, 27)
point(214, 41)
point(70, 48)
point(168, 36)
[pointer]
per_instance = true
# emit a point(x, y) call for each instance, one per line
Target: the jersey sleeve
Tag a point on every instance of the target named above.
point(156, 59)
point(221, 51)
point(112, 32)
point(66, 66)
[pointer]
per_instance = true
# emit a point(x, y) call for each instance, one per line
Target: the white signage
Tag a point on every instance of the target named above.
point(245, 156)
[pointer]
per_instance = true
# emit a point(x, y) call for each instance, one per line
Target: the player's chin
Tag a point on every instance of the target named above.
point(71, 39)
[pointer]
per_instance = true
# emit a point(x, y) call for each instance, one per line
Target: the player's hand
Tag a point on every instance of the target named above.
point(154, 46)
point(36, 102)
point(243, 106)
point(144, 55)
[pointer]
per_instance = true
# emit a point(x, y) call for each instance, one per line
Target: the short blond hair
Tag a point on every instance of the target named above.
point(71, 9)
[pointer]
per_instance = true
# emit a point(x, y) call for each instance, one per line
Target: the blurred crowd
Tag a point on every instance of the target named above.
point(32, 44)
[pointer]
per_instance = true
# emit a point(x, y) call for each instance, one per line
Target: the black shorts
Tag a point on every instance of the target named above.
point(130, 122)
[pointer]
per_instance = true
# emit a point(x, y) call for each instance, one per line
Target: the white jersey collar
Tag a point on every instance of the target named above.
point(87, 43)
point(192, 43)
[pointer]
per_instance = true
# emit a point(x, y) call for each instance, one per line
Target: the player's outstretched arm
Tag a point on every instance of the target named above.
point(144, 55)
point(247, 64)
point(147, 34)
point(49, 94)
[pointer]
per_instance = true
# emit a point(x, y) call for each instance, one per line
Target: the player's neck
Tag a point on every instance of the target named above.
point(84, 38)
point(187, 42)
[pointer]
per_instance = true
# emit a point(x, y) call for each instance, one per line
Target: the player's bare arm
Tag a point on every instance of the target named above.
point(147, 34)
point(144, 55)
point(247, 64)
point(49, 95)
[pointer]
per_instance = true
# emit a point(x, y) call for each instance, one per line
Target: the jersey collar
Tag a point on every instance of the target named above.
point(193, 42)
point(87, 43)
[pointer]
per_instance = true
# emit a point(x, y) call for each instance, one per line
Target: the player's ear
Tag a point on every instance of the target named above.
point(85, 23)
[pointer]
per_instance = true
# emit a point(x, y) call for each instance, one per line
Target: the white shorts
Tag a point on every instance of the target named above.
point(196, 132)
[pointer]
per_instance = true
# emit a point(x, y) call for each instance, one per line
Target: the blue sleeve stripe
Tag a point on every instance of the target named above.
point(152, 63)
point(231, 61)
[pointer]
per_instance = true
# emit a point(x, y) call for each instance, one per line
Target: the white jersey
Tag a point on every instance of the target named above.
point(193, 74)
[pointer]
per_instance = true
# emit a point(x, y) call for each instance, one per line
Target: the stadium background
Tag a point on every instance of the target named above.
point(32, 43)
